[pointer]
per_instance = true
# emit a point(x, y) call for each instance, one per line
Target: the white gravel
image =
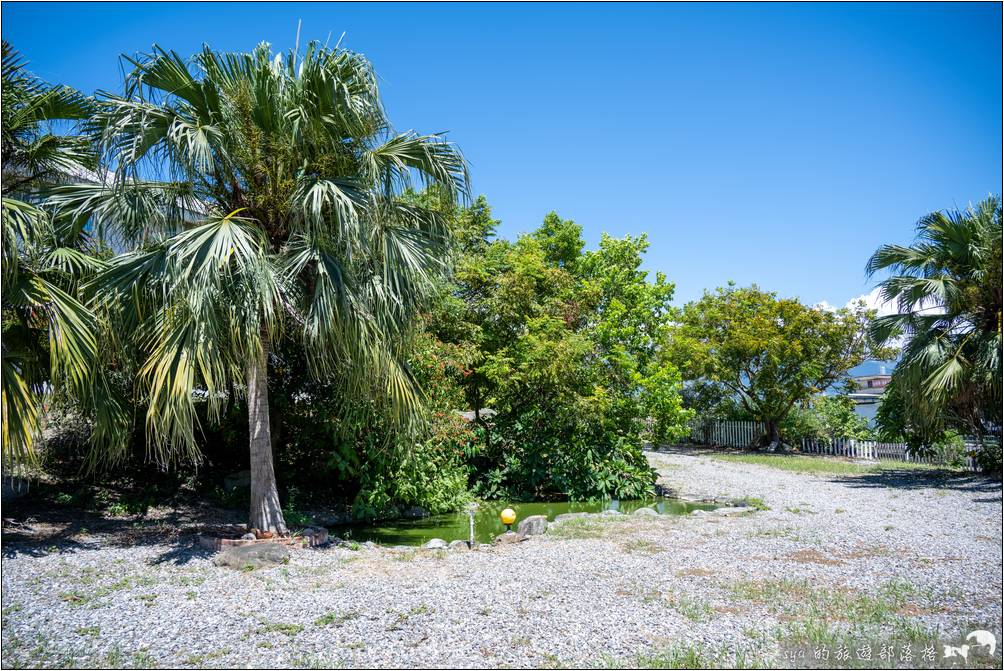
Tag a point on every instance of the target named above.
point(646, 585)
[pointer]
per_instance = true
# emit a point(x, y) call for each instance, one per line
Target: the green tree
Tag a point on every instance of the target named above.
point(266, 191)
point(947, 287)
point(567, 346)
point(825, 418)
point(49, 337)
point(771, 353)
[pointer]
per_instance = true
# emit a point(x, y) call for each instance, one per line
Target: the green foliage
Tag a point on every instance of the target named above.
point(771, 353)
point(947, 289)
point(565, 345)
point(284, 227)
point(827, 419)
point(326, 435)
point(905, 413)
point(49, 336)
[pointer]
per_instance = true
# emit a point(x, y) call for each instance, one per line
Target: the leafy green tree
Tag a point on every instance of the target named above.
point(947, 287)
point(265, 189)
point(771, 353)
point(567, 346)
point(827, 418)
point(49, 337)
point(837, 419)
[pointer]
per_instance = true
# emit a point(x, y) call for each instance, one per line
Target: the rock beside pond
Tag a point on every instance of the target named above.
point(534, 525)
point(699, 513)
point(569, 516)
point(646, 511)
point(458, 545)
point(611, 512)
point(436, 544)
point(253, 556)
point(507, 538)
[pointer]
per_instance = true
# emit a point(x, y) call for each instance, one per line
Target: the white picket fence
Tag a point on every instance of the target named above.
point(745, 433)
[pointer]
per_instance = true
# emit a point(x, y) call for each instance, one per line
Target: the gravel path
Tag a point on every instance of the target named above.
point(910, 551)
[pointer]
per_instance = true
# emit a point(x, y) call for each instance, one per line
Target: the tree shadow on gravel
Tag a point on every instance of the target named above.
point(182, 553)
point(924, 479)
point(38, 531)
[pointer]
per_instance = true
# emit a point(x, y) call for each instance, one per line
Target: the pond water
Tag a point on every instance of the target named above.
point(455, 526)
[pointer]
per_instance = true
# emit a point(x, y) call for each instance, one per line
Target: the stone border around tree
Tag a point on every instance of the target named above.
point(312, 537)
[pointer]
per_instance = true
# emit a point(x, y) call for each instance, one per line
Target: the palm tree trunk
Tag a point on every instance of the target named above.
point(266, 513)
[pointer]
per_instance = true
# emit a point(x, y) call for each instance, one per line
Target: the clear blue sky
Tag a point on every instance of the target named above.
point(777, 144)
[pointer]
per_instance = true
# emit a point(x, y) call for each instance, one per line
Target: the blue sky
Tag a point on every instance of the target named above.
point(777, 144)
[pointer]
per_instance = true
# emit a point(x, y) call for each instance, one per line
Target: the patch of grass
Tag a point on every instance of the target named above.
point(336, 618)
point(755, 503)
point(191, 580)
point(694, 610)
point(687, 656)
point(80, 597)
point(802, 599)
point(599, 526)
point(287, 628)
point(147, 599)
point(642, 546)
point(88, 631)
point(828, 465)
point(203, 659)
point(795, 510)
point(402, 618)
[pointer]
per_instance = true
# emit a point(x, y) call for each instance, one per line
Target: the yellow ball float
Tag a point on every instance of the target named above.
point(508, 516)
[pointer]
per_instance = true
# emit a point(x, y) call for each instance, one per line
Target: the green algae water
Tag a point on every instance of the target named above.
point(455, 526)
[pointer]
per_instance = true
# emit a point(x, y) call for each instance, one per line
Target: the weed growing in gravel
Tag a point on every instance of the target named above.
point(800, 511)
point(147, 599)
point(287, 628)
point(81, 597)
point(88, 631)
point(694, 610)
point(693, 657)
point(795, 598)
point(642, 546)
point(336, 618)
point(755, 503)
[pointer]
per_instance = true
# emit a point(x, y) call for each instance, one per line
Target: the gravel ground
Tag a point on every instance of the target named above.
point(914, 553)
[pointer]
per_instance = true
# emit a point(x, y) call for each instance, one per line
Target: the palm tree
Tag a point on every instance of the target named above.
point(265, 191)
point(49, 337)
point(947, 286)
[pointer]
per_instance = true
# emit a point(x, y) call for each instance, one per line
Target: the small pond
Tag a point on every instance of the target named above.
point(455, 526)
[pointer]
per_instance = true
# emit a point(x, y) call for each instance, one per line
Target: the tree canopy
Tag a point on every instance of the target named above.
point(947, 288)
point(264, 190)
point(771, 353)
